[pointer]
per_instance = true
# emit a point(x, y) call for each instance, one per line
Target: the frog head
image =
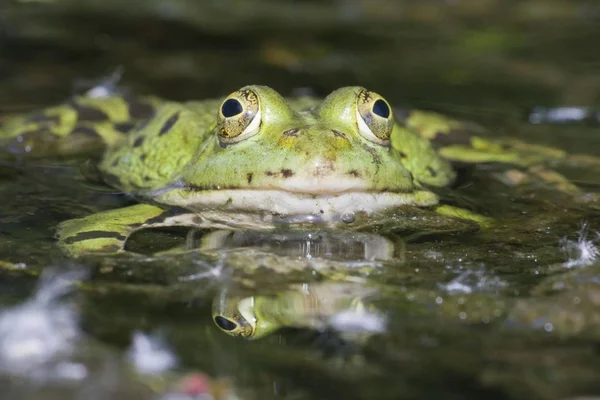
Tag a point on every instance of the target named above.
point(263, 154)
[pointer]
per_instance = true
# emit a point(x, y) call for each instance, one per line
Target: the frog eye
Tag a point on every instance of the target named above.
point(225, 324)
point(239, 116)
point(374, 117)
point(235, 325)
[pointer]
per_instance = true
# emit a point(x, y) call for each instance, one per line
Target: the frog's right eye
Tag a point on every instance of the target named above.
point(239, 116)
point(231, 108)
point(374, 116)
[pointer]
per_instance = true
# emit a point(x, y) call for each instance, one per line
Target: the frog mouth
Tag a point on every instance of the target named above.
point(284, 202)
point(324, 187)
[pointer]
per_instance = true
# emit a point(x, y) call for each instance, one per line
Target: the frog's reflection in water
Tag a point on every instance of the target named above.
point(339, 298)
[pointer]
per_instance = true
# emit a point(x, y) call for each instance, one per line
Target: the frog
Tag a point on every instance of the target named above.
point(257, 160)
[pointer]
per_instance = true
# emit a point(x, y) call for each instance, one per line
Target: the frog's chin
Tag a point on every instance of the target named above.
point(285, 203)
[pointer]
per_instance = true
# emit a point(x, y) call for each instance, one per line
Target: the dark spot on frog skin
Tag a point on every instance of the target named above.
point(84, 130)
point(373, 153)
point(291, 132)
point(85, 113)
point(53, 119)
point(124, 127)
point(286, 173)
point(94, 235)
point(249, 177)
point(115, 162)
point(432, 171)
point(143, 157)
point(146, 178)
point(138, 142)
point(354, 173)
point(402, 154)
point(337, 133)
point(171, 212)
point(169, 124)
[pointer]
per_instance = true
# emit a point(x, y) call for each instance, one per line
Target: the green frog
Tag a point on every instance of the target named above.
point(256, 160)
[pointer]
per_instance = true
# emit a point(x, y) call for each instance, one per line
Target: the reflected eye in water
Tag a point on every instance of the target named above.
point(225, 324)
point(234, 315)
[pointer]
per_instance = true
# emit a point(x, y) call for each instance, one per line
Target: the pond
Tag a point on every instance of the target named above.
point(404, 305)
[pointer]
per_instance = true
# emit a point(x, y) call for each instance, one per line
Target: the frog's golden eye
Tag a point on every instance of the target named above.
point(235, 325)
point(225, 324)
point(374, 117)
point(239, 116)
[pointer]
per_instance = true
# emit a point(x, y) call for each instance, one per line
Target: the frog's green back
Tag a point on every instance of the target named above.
point(155, 151)
point(81, 125)
point(420, 158)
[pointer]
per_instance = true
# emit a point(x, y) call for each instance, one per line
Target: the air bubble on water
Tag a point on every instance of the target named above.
point(477, 279)
point(150, 355)
point(208, 270)
point(581, 252)
point(362, 321)
point(38, 336)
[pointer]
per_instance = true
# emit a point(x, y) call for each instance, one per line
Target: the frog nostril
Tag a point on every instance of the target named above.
point(291, 132)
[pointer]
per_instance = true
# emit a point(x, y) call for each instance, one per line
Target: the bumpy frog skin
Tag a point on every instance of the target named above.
point(253, 157)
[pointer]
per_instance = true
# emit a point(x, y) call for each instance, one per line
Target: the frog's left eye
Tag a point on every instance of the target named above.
point(239, 116)
point(225, 324)
point(234, 325)
point(374, 116)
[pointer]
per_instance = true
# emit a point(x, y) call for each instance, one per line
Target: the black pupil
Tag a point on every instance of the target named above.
point(381, 108)
point(225, 324)
point(231, 107)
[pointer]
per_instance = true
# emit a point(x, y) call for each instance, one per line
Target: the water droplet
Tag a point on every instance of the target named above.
point(348, 217)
